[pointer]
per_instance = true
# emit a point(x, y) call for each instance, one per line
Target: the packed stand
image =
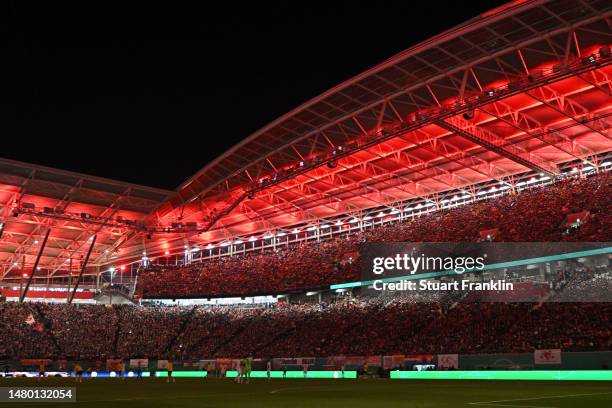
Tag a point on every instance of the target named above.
point(536, 214)
point(353, 326)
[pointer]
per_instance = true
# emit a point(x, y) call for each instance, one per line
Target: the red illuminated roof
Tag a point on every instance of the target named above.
point(525, 87)
point(73, 206)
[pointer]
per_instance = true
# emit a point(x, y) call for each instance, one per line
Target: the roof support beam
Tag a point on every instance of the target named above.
point(40, 252)
point(570, 108)
point(62, 204)
point(107, 214)
point(78, 281)
point(530, 126)
point(493, 142)
point(599, 80)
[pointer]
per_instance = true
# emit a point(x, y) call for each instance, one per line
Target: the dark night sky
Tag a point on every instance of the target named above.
point(150, 94)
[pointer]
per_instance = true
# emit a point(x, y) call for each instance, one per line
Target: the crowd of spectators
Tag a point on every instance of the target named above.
point(20, 339)
point(584, 284)
point(537, 214)
point(352, 326)
point(367, 325)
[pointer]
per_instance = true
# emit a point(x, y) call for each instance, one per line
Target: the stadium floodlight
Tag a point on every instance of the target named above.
point(167, 253)
point(419, 205)
point(367, 217)
point(251, 239)
point(354, 221)
point(268, 236)
point(38, 268)
point(606, 163)
point(520, 183)
point(324, 226)
point(338, 223)
point(311, 293)
point(35, 242)
point(587, 168)
point(111, 269)
point(210, 246)
point(238, 242)
point(408, 209)
point(25, 275)
point(15, 264)
point(224, 244)
point(195, 249)
point(281, 234)
point(380, 214)
point(296, 231)
point(394, 211)
point(311, 228)
point(544, 178)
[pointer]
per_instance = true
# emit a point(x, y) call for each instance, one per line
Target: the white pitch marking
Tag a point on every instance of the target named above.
point(496, 402)
point(287, 389)
point(319, 388)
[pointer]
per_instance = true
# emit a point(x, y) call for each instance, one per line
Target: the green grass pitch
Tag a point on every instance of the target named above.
point(294, 393)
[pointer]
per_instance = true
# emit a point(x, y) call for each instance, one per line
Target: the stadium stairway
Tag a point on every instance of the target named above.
point(225, 341)
point(599, 193)
point(117, 330)
point(257, 351)
point(48, 328)
point(181, 328)
point(246, 331)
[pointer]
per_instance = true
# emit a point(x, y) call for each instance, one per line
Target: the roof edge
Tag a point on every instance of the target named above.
point(476, 22)
point(68, 173)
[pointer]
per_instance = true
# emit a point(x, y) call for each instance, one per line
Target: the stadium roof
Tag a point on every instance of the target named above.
point(72, 206)
point(524, 87)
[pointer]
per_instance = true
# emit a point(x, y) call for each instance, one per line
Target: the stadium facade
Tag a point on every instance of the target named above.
point(518, 95)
